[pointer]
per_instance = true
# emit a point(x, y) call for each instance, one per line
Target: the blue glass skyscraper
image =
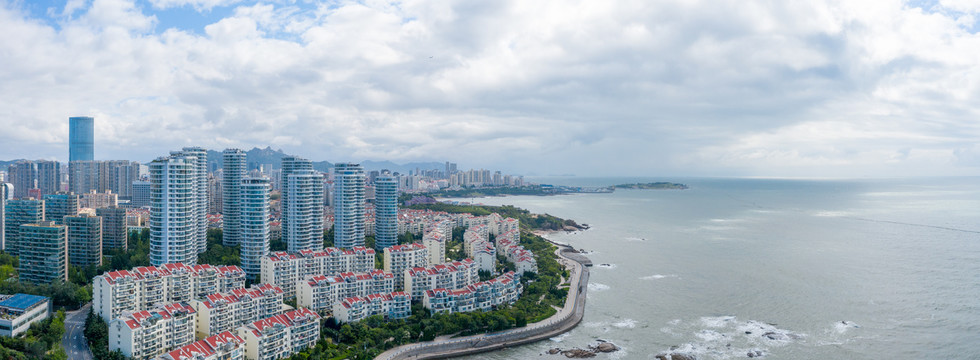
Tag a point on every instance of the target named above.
point(81, 138)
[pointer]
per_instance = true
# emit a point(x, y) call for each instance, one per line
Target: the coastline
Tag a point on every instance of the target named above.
point(565, 320)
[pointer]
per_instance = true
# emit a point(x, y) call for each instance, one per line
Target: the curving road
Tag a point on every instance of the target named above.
point(74, 339)
point(566, 319)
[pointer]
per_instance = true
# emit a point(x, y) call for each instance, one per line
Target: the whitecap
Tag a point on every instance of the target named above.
point(559, 338)
point(625, 324)
point(598, 287)
point(631, 238)
point(606, 266)
point(657, 277)
point(717, 321)
point(843, 326)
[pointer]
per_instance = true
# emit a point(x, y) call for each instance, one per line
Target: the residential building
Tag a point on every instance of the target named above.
point(17, 213)
point(453, 275)
point(301, 204)
point(392, 306)
point(141, 194)
point(57, 206)
point(103, 176)
point(477, 246)
point(95, 200)
point(200, 196)
point(178, 199)
point(233, 172)
point(348, 205)
point(215, 193)
point(4, 190)
point(41, 174)
point(150, 333)
point(508, 244)
point(281, 336)
point(141, 288)
point(435, 241)
point(43, 252)
point(223, 346)
point(285, 269)
point(322, 292)
point(81, 138)
point(114, 231)
point(253, 223)
point(84, 239)
point(385, 212)
point(483, 296)
point(399, 258)
point(222, 312)
point(19, 311)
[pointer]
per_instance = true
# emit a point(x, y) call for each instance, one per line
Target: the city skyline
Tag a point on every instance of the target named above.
point(816, 88)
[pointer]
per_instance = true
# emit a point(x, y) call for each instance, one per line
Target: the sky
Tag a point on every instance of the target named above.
point(841, 89)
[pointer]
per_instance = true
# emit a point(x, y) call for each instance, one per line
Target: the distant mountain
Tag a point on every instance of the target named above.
point(4, 164)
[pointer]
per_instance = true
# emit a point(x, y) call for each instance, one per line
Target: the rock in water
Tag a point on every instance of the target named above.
point(679, 356)
point(662, 357)
point(578, 353)
point(607, 347)
point(554, 351)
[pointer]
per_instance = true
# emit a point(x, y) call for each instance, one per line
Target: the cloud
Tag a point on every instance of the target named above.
point(626, 87)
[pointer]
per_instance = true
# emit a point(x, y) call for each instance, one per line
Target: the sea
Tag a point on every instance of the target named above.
point(775, 268)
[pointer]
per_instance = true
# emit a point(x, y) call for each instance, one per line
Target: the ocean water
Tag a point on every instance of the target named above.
point(789, 269)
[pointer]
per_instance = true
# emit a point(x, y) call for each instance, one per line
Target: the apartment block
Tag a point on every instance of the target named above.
point(143, 288)
point(221, 312)
point(483, 296)
point(84, 239)
point(280, 336)
point(454, 275)
point(114, 231)
point(508, 244)
point(392, 306)
point(477, 246)
point(43, 253)
point(322, 292)
point(286, 269)
point(398, 258)
point(150, 333)
point(17, 213)
point(224, 346)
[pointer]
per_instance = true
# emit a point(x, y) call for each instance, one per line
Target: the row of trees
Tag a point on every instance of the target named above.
point(97, 334)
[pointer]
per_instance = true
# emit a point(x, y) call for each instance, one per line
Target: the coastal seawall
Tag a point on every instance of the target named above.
point(563, 321)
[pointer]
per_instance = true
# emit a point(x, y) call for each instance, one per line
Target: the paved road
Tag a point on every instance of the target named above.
point(566, 319)
point(74, 339)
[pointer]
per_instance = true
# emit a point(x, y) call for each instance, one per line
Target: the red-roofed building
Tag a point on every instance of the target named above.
point(221, 312)
point(143, 288)
point(149, 333)
point(223, 346)
point(281, 336)
point(286, 269)
point(454, 275)
point(394, 305)
point(321, 292)
point(399, 258)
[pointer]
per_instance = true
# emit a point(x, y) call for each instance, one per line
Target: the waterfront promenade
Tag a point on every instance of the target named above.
point(566, 319)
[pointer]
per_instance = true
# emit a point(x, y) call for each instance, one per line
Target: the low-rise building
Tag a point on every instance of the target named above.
point(217, 313)
point(223, 346)
point(143, 288)
point(483, 296)
point(508, 244)
point(281, 336)
point(149, 333)
point(322, 292)
point(457, 274)
point(399, 258)
point(435, 241)
point(394, 305)
point(19, 311)
point(286, 269)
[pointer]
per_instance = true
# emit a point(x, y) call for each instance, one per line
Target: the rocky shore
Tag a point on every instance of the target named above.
point(591, 351)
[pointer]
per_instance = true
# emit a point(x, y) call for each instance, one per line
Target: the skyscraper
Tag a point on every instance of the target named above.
point(385, 211)
point(16, 213)
point(302, 205)
point(141, 194)
point(5, 190)
point(233, 170)
point(173, 210)
point(114, 230)
point(43, 253)
point(254, 223)
point(57, 206)
point(200, 188)
point(84, 239)
point(348, 205)
point(102, 176)
point(81, 138)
